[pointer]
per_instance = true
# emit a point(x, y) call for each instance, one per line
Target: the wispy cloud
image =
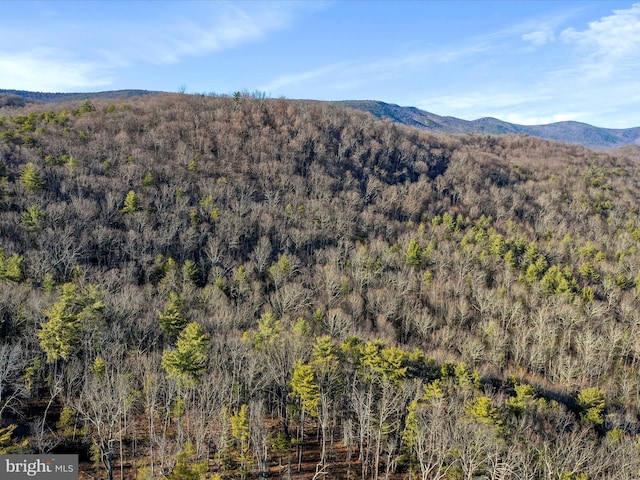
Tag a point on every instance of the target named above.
point(609, 49)
point(523, 119)
point(525, 108)
point(301, 77)
point(564, 83)
point(480, 99)
point(616, 36)
point(87, 56)
point(541, 36)
point(348, 74)
point(49, 70)
point(532, 106)
point(537, 31)
point(460, 53)
point(225, 27)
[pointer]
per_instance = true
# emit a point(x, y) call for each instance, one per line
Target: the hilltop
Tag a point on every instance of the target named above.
point(569, 132)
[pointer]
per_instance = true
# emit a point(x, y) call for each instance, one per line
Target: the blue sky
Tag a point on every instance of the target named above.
point(529, 62)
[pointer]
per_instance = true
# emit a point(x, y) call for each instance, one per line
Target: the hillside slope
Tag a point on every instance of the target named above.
point(265, 285)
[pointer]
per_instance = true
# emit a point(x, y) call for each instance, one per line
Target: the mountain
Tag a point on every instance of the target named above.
point(568, 132)
point(47, 97)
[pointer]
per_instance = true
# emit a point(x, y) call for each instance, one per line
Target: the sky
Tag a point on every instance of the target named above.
point(526, 62)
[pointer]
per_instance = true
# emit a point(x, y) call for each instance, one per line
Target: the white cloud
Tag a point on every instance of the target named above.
point(344, 76)
point(297, 78)
point(87, 56)
point(540, 37)
point(609, 48)
point(526, 119)
point(48, 70)
point(616, 36)
point(174, 39)
point(550, 85)
point(591, 77)
point(530, 108)
point(481, 101)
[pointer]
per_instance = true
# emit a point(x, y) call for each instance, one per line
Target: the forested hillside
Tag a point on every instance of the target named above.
point(225, 287)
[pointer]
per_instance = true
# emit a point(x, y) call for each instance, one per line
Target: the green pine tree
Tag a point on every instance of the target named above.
point(30, 178)
point(148, 180)
point(61, 332)
point(241, 431)
point(413, 253)
point(592, 401)
point(173, 319)
point(33, 217)
point(11, 267)
point(188, 361)
point(187, 468)
point(131, 203)
point(7, 444)
point(304, 386)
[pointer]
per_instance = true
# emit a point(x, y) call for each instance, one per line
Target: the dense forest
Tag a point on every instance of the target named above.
point(227, 287)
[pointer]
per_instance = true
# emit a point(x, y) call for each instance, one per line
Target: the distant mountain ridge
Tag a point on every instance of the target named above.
point(48, 97)
point(568, 132)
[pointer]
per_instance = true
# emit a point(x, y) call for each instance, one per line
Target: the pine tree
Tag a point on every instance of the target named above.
point(592, 401)
point(241, 431)
point(413, 253)
point(173, 320)
point(188, 361)
point(86, 107)
point(186, 467)
point(11, 267)
point(7, 445)
point(60, 334)
point(30, 178)
point(304, 386)
point(32, 218)
point(131, 203)
point(148, 180)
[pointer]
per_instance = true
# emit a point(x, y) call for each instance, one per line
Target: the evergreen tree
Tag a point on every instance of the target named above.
point(32, 218)
point(413, 253)
point(187, 468)
point(241, 431)
point(592, 401)
point(30, 178)
point(11, 267)
point(131, 203)
point(304, 386)
point(173, 320)
point(7, 444)
point(188, 361)
point(61, 332)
